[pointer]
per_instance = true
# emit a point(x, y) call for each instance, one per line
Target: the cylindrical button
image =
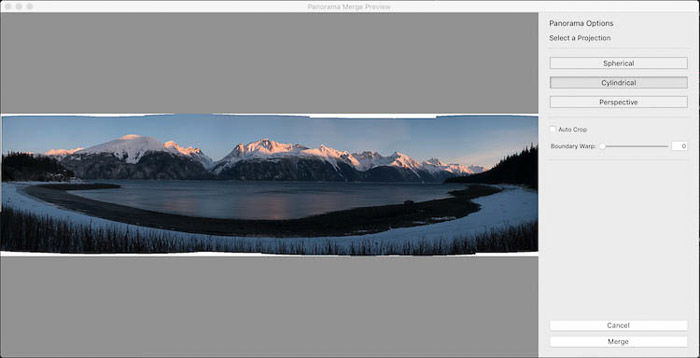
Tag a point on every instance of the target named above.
point(619, 82)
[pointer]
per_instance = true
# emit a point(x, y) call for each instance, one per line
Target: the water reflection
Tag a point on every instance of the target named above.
point(261, 200)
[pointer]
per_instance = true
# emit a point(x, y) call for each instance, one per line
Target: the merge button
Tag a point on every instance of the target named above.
point(620, 342)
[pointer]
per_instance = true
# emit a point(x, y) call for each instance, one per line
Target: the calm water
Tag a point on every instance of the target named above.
point(260, 200)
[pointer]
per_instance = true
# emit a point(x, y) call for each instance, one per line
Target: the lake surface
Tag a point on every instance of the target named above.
point(260, 200)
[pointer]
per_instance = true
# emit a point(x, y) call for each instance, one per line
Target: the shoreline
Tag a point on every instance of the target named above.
point(351, 222)
point(512, 208)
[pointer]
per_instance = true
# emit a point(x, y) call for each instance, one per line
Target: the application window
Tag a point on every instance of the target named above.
point(349, 178)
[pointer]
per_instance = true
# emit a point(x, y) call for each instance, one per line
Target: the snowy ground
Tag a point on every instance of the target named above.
point(512, 206)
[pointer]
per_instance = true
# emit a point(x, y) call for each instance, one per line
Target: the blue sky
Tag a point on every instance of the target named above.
point(479, 140)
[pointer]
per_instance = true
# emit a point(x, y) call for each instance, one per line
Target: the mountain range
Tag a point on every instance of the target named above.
point(140, 157)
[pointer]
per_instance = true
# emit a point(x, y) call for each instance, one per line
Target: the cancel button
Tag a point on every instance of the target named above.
point(618, 325)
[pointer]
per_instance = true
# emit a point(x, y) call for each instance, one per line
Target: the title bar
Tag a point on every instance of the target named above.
point(339, 6)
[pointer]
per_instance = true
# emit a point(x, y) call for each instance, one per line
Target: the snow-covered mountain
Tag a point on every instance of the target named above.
point(435, 165)
point(262, 149)
point(136, 157)
point(192, 152)
point(476, 169)
point(131, 148)
point(62, 152)
point(140, 157)
point(266, 149)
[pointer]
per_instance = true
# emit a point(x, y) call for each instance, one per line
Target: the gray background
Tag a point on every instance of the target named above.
point(88, 306)
point(269, 63)
point(322, 63)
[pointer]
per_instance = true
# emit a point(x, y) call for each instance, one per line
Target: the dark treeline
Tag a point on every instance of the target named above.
point(520, 168)
point(28, 167)
point(22, 231)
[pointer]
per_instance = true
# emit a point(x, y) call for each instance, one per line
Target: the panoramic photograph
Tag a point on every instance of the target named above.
point(269, 184)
